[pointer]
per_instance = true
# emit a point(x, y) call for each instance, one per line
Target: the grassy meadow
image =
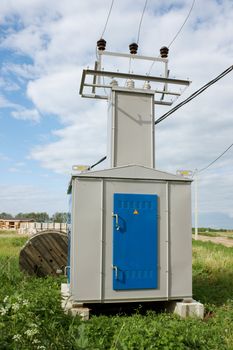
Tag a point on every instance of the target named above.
point(31, 316)
point(214, 233)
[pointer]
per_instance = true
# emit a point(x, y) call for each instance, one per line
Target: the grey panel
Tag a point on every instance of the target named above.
point(87, 236)
point(132, 129)
point(181, 240)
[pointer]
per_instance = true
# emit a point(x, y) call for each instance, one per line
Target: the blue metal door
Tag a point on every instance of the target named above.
point(135, 241)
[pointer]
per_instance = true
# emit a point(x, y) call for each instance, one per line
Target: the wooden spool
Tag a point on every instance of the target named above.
point(45, 254)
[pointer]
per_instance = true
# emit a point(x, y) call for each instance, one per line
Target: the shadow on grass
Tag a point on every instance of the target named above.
point(215, 290)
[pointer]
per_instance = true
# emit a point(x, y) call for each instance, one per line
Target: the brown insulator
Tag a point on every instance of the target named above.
point(101, 44)
point(164, 52)
point(133, 48)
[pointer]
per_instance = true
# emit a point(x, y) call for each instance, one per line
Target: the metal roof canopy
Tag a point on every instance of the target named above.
point(99, 72)
point(135, 172)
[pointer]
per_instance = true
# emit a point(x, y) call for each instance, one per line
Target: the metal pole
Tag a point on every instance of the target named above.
point(196, 203)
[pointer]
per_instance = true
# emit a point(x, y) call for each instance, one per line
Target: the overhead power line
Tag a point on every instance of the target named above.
point(187, 17)
point(140, 24)
point(107, 19)
point(206, 167)
point(138, 35)
point(195, 94)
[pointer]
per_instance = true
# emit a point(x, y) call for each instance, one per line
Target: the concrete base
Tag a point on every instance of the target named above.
point(187, 308)
point(184, 308)
point(72, 307)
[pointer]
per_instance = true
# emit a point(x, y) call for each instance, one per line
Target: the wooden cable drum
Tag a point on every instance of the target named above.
point(45, 254)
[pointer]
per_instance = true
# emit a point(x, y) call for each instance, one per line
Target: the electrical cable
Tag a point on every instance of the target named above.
point(99, 161)
point(206, 167)
point(187, 17)
point(105, 27)
point(106, 23)
point(140, 24)
point(195, 94)
point(138, 34)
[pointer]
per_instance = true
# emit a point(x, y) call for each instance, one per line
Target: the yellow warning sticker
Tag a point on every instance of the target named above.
point(136, 212)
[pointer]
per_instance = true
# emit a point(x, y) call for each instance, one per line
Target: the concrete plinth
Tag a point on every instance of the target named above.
point(72, 307)
point(188, 308)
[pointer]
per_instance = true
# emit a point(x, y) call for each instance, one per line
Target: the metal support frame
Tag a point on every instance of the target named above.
point(98, 72)
point(128, 55)
point(137, 77)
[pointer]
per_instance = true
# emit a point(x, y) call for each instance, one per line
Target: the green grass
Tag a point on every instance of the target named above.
point(10, 246)
point(31, 316)
point(8, 232)
point(227, 234)
point(212, 272)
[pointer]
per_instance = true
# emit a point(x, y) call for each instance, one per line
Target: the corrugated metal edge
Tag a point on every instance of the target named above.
point(152, 174)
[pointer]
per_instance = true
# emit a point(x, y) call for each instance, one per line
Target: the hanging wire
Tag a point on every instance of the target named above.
point(187, 17)
point(195, 94)
point(206, 167)
point(138, 34)
point(103, 32)
point(106, 23)
point(140, 24)
point(150, 69)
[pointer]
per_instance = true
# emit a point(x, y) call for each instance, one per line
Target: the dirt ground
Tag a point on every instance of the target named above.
point(218, 240)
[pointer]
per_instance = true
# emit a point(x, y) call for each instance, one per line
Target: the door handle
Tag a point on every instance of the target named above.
point(117, 221)
point(115, 268)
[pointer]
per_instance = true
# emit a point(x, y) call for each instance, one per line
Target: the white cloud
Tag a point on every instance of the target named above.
point(18, 198)
point(19, 167)
point(27, 114)
point(21, 72)
point(3, 157)
point(5, 103)
point(57, 93)
point(8, 85)
point(77, 143)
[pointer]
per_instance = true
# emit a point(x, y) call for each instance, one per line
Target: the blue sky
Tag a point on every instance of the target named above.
point(45, 127)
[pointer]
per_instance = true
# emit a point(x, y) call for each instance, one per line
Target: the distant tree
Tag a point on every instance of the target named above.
point(42, 217)
point(5, 216)
point(59, 217)
point(20, 216)
point(39, 217)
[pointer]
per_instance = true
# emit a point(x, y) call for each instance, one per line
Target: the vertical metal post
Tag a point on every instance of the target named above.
point(167, 241)
point(99, 64)
point(102, 243)
point(113, 116)
point(166, 76)
point(196, 203)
